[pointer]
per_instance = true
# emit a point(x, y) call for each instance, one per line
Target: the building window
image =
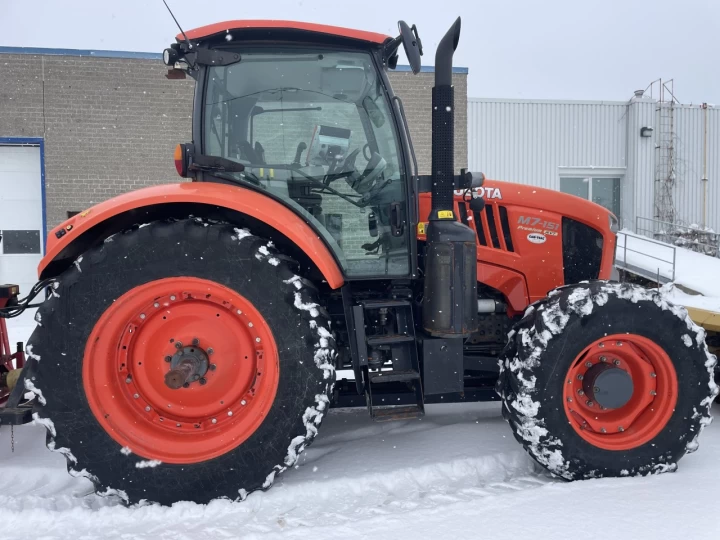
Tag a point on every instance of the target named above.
point(602, 190)
point(20, 242)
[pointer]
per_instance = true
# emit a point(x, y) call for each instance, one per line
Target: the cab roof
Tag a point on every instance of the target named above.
point(210, 30)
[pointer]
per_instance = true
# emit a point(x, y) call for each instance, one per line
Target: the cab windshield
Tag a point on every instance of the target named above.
point(315, 129)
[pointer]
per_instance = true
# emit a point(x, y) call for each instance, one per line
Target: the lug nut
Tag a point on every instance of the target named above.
point(229, 413)
point(596, 389)
point(618, 343)
point(135, 396)
point(147, 408)
point(616, 362)
point(603, 359)
point(177, 425)
point(210, 350)
point(601, 345)
point(202, 380)
point(569, 400)
point(196, 342)
point(214, 420)
point(156, 305)
point(620, 428)
point(589, 403)
point(178, 345)
point(128, 380)
point(172, 298)
point(168, 358)
point(243, 402)
point(212, 367)
point(581, 393)
point(588, 364)
point(142, 315)
point(603, 430)
point(653, 393)
point(579, 377)
point(653, 375)
point(186, 385)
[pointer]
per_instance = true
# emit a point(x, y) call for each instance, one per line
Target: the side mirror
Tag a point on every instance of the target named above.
point(412, 44)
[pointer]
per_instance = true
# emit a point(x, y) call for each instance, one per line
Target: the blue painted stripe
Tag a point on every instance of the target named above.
point(431, 69)
point(145, 56)
point(34, 141)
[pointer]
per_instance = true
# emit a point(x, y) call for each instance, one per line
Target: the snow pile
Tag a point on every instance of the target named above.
point(694, 271)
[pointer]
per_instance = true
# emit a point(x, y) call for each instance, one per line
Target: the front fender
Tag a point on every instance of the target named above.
point(256, 205)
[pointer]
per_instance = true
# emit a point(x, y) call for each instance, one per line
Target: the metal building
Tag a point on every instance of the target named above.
point(644, 158)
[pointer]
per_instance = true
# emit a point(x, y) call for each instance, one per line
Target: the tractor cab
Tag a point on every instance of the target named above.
point(306, 117)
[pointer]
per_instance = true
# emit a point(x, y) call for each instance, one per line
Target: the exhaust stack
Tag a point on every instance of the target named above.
point(450, 295)
point(443, 124)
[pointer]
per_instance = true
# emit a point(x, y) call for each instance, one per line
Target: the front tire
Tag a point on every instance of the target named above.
point(182, 360)
point(604, 379)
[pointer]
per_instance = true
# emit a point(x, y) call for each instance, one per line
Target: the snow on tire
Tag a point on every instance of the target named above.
point(219, 308)
point(604, 379)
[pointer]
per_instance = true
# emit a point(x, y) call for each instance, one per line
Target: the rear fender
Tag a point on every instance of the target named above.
point(238, 205)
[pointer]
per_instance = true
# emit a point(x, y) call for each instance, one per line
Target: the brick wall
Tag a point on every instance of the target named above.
point(110, 124)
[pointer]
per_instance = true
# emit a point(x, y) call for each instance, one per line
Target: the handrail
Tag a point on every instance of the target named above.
point(641, 239)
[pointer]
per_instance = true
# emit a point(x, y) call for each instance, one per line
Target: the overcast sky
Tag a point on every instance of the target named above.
point(551, 49)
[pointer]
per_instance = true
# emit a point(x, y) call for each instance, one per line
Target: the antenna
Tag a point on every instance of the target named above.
point(178, 25)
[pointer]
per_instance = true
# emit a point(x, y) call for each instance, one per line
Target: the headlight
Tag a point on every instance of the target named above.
point(614, 223)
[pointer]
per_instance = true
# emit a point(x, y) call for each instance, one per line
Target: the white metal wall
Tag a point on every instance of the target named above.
point(687, 195)
point(528, 141)
point(534, 142)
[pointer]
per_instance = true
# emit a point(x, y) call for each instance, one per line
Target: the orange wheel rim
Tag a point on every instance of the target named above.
point(627, 420)
point(209, 334)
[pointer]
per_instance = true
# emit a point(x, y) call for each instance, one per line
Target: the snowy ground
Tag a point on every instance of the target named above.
point(693, 271)
point(456, 473)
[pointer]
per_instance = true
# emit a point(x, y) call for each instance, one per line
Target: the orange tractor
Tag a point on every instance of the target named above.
point(190, 340)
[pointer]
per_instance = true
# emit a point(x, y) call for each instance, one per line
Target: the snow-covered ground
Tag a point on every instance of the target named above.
point(693, 271)
point(457, 473)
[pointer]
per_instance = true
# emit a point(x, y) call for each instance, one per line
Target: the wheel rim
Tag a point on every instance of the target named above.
point(600, 405)
point(196, 328)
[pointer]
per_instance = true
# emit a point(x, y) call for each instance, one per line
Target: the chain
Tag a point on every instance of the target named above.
point(12, 438)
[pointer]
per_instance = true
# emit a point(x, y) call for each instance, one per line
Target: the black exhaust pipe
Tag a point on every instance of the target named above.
point(443, 123)
point(450, 296)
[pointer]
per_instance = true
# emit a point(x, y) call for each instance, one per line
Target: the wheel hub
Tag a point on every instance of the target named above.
point(188, 365)
point(608, 386)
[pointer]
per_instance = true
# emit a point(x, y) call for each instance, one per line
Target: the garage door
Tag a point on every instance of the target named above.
point(20, 215)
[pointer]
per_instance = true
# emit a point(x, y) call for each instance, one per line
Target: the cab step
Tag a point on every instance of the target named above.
point(397, 412)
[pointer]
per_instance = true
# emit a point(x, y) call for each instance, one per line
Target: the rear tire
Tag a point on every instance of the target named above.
point(201, 451)
point(579, 326)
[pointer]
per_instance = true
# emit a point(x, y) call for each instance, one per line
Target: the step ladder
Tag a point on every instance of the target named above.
point(385, 385)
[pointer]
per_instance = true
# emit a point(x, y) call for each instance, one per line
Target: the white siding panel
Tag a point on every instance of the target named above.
point(528, 141)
